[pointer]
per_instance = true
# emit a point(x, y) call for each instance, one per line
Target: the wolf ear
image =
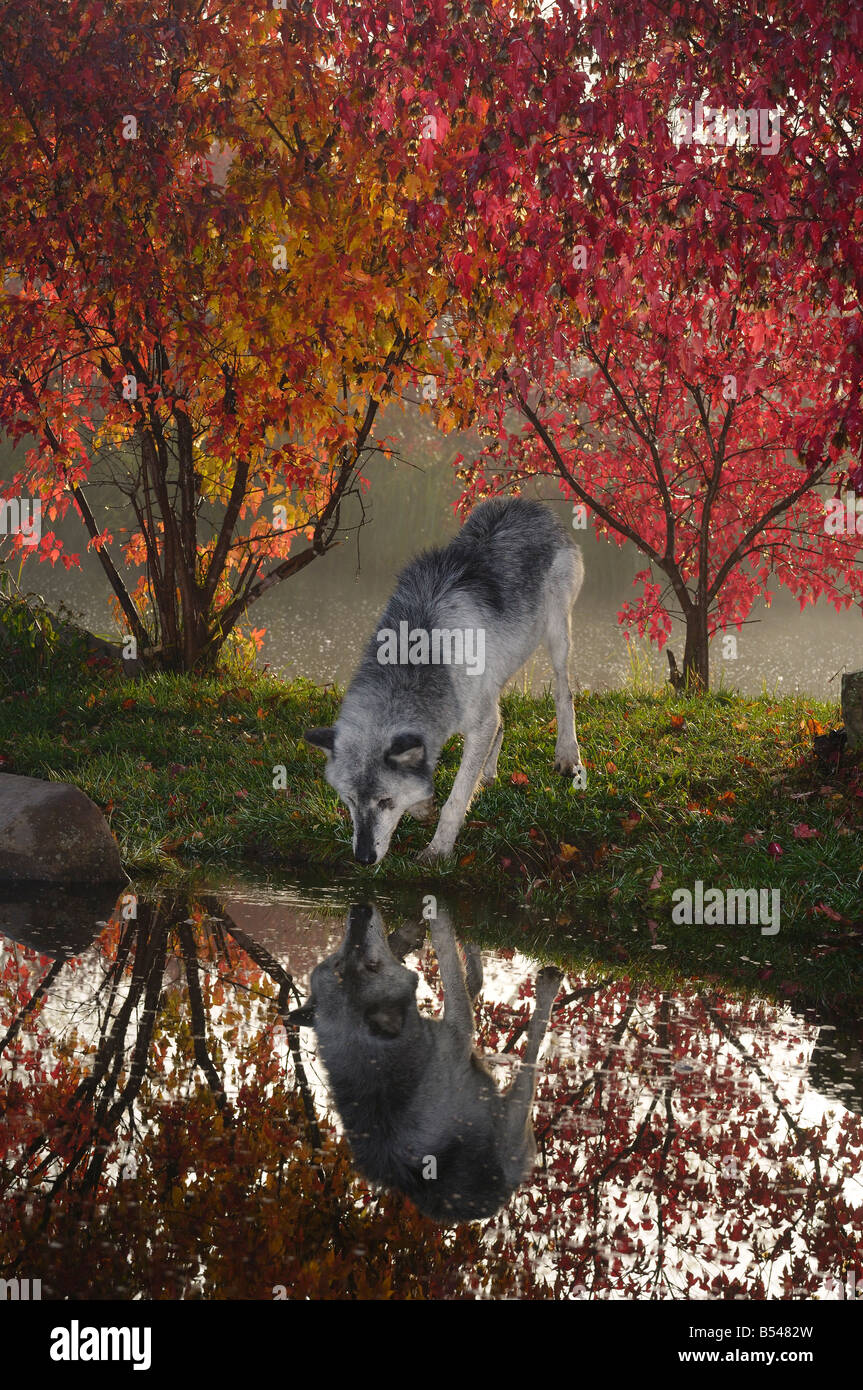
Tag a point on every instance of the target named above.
point(406, 750)
point(321, 738)
point(304, 1017)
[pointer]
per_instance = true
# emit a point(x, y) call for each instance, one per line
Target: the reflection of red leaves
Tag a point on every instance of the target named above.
point(752, 837)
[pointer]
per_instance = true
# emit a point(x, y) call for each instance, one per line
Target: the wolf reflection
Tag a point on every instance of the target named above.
point(420, 1109)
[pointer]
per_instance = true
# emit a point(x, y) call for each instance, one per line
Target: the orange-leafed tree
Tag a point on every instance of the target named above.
point(210, 289)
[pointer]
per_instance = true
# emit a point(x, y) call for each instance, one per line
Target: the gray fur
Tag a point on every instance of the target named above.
point(512, 571)
point(409, 1088)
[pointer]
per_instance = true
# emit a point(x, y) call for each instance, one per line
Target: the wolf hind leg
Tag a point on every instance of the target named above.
point(564, 583)
point(519, 1147)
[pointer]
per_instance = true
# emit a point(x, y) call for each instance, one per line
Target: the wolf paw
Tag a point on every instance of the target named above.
point(432, 854)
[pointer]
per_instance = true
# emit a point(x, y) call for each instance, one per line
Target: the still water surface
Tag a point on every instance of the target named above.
point(166, 1130)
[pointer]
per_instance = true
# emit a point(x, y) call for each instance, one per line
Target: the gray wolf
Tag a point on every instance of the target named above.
point(513, 574)
point(420, 1109)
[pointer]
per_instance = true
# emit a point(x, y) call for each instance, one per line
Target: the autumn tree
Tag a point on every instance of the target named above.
point(707, 157)
point(669, 423)
point(207, 281)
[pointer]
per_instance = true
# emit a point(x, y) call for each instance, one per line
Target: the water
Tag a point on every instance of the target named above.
point(164, 1134)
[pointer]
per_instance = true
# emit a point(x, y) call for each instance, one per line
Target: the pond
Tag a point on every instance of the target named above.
point(174, 1122)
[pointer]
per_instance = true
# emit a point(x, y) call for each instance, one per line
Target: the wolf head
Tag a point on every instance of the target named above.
point(360, 992)
point(378, 779)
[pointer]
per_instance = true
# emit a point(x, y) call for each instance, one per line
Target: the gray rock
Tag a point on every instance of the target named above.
point(50, 832)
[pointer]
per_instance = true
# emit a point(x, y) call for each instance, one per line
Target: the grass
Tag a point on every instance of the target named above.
point(722, 789)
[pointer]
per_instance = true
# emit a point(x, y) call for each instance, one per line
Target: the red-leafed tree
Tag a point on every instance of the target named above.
point(671, 423)
point(704, 166)
point(422, 157)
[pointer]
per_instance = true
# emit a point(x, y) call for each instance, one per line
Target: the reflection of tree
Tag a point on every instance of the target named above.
point(677, 1166)
point(164, 1145)
point(32, 1003)
point(287, 993)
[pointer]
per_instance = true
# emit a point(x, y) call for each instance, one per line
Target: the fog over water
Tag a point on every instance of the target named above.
point(318, 622)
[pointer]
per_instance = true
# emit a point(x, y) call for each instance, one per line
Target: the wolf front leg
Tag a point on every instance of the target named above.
point(478, 744)
point(489, 772)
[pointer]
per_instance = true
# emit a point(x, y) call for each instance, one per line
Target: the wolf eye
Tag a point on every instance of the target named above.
point(385, 805)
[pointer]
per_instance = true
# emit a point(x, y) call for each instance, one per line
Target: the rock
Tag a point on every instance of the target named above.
point(50, 832)
point(852, 708)
point(57, 920)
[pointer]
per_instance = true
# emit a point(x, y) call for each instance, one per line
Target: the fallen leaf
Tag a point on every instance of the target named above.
point(804, 832)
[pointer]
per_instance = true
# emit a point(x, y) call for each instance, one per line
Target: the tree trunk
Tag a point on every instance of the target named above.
point(852, 708)
point(696, 653)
